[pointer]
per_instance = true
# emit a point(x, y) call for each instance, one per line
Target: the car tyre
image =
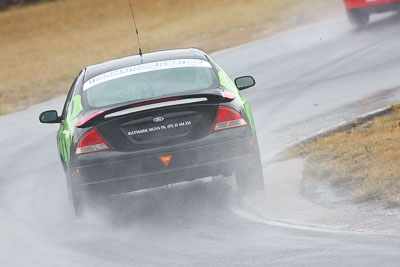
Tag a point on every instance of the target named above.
point(75, 197)
point(358, 18)
point(249, 176)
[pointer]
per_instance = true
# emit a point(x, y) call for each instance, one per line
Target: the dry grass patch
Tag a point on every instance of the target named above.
point(45, 45)
point(365, 158)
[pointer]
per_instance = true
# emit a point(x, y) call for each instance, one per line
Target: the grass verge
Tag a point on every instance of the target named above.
point(366, 158)
point(44, 46)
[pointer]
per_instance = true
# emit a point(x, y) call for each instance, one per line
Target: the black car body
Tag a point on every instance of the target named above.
point(124, 129)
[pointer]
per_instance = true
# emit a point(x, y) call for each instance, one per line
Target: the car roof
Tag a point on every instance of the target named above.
point(94, 70)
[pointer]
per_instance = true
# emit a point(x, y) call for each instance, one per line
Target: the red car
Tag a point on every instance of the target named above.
point(359, 11)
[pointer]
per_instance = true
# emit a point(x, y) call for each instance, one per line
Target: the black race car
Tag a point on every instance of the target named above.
point(147, 121)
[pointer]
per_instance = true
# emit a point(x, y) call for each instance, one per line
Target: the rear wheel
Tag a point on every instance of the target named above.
point(249, 176)
point(358, 17)
point(75, 197)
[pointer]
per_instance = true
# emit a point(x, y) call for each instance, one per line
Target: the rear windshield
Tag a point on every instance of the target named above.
point(148, 80)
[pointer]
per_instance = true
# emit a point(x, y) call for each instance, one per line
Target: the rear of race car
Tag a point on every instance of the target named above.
point(162, 146)
point(189, 122)
point(359, 11)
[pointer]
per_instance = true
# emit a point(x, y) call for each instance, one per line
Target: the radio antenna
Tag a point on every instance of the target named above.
point(137, 32)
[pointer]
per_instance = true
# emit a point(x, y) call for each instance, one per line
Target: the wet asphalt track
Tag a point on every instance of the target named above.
point(307, 79)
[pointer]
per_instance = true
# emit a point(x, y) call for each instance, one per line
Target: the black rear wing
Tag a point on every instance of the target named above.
point(211, 97)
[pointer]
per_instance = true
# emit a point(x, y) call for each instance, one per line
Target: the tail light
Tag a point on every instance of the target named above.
point(228, 118)
point(92, 141)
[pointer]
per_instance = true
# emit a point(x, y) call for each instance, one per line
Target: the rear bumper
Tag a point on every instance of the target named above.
point(372, 7)
point(132, 172)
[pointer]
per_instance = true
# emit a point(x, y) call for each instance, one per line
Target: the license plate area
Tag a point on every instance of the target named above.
point(170, 126)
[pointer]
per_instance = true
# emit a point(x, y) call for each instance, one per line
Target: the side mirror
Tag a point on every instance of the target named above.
point(244, 82)
point(49, 116)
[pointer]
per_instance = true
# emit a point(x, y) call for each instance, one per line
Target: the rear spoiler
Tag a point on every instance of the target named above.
point(214, 96)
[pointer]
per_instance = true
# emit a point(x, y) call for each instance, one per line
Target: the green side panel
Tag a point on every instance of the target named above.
point(77, 106)
point(67, 133)
point(249, 114)
point(226, 82)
